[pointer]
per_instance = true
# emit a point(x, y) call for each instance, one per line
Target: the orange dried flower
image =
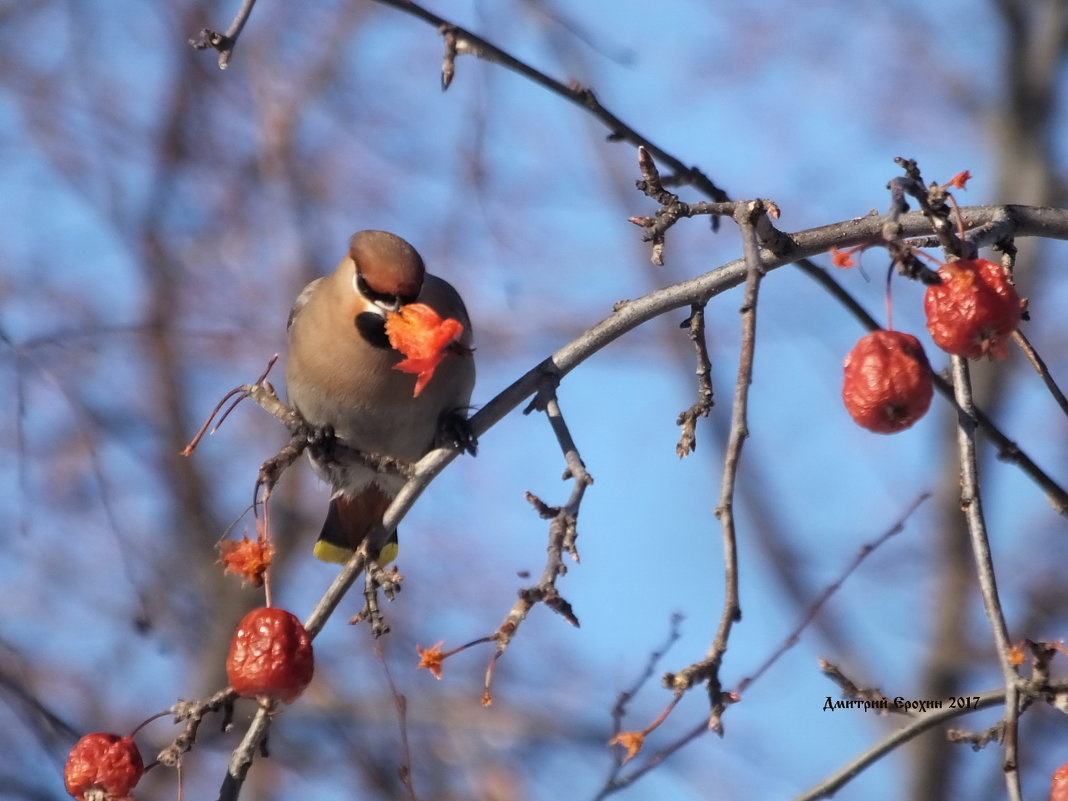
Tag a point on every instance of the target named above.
point(975, 309)
point(959, 180)
point(270, 654)
point(103, 762)
point(1016, 654)
point(887, 382)
point(419, 332)
point(431, 658)
point(842, 258)
point(631, 740)
point(246, 558)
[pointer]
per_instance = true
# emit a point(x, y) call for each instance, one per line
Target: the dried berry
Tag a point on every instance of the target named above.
point(975, 309)
point(1059, 786)
point(419, 332)
point(887, 385)
point(103, 763)
point(270, 654)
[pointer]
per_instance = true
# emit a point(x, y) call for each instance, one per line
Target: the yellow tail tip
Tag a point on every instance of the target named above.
point(328, 552)
point(388, 553)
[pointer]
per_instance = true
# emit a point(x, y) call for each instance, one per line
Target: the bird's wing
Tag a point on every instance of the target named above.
point(301, 301)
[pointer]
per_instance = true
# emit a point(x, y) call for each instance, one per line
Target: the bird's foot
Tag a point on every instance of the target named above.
point(454, 431)
point(321, 439)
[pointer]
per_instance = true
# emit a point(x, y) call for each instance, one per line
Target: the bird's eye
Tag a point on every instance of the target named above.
point(381, 298)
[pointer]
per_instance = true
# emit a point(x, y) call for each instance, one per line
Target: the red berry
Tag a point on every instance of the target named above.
point(975, 309)
point(103, 762)
point(887, 385)
point(270, 654)
point(1059, 786)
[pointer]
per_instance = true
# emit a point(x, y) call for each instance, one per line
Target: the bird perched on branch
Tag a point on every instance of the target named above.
point(356, 337)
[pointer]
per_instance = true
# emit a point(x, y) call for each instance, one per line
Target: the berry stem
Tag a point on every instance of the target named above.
point(145, 722)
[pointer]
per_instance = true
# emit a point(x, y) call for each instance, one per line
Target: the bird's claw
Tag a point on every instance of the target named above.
point(454, 431)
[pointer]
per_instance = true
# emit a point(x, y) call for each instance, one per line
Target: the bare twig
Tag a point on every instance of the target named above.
point(617, 780)
point(254, 740)
point(815, 607)
point(972, 508)
point(703, 405)
point(376, 578)
point(192, 714)
point(1040, 367)
point(620, 708)
point(563, 532)
point(707, 670)
point(400, 705)
point(850, 689)
point(671, 208)
point(978, 740)
point(932, 202)
point(654, 760)
point(224, 42)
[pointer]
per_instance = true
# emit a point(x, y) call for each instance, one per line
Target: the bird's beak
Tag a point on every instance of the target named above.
point(385, 308)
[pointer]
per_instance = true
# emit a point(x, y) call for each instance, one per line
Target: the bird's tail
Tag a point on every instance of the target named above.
point(349, 521)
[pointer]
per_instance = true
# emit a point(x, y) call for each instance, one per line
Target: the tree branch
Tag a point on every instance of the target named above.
point(920, 724)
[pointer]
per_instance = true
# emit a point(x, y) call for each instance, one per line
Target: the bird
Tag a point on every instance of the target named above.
point(341, 378)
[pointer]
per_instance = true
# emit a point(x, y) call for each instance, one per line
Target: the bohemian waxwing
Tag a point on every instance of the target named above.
point(340, 377)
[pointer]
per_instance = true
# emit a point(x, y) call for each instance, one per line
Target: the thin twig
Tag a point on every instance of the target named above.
point(932, 202)
point(654, 760)
point(1040, 367)
point(464, 41)
point(241, 759)
point(400, 705)
point(705, 398)
point(971, 505)
point(619, 709)
point(707, 670)
point(739, 432)
point(563, 532)
point(224, 42)
point(671, 209)
point(192, 714)
point(814, 608)
point(851, 690)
